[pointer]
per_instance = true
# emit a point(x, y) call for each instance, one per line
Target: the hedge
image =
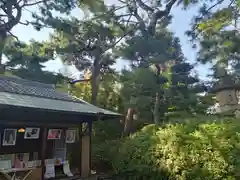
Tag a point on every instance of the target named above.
point(196, 150)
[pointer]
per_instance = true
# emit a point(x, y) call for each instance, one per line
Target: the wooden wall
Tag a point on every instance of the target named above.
point(26, 145)
point(22, 145)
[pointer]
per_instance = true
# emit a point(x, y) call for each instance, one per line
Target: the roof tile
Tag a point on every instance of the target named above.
point(25, 93)
point(32, 88)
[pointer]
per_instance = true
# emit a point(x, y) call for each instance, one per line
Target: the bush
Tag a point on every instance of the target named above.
point(197, 150)
point(105, 139)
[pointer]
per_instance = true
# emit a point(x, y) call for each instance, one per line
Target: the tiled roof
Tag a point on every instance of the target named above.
point(25, 93)
point(32, 88)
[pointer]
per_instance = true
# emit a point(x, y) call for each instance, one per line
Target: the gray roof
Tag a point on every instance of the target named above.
point(32, 88)
point(25, 93)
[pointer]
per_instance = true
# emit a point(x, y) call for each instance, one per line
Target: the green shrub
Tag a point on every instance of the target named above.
point(196, 150)
point(105, 139)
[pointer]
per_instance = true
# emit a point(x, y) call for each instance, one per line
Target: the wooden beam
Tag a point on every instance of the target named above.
point(43, 150)
point(86, 152)
point(36, 124)
point(80, 148)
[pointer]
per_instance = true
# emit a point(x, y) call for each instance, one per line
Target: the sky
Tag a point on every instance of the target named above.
point(180, 24)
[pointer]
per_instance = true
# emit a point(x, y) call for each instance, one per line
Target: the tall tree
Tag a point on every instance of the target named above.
point(26, 61)
point(178, 91)
point(215, 31)
point(85, 44)
point(152, 45)
point(144, 17)
point(183, 90)
point(213, 17)
point(96, 36)
point(11, 14)
point(155, 51)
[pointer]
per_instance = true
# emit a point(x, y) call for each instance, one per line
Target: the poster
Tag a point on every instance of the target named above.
point(18, 163)
point(54, 134)
point(21, 160)
point(9, 137)
point(66, 169)
point(31, 133)
point(70, 136)
point(50, 171)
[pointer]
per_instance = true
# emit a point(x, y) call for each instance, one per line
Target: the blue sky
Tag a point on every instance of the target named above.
point(179, 25)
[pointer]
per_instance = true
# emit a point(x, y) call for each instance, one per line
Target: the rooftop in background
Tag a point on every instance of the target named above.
point(25, 93)
point(33, 88)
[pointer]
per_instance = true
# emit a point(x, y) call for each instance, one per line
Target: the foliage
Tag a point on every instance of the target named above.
point(144, 51)
point(11, 14)
point(221, 48)
point(138, 90)
point(105, 140)
point(160, 84)
point(80, 43)
point(215, 31)
point(109, 96)
point(142, 84)
point(177, 88)
point(47, 8)
point(82, 90)
point(184, 88)
point(25, 61)
point(213, 17)
point(196, 149)
point(85, 45)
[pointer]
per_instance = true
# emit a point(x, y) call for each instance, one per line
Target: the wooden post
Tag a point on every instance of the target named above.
point(80, 147)
point(43, 151)
point(86, 151)
point(90, 147)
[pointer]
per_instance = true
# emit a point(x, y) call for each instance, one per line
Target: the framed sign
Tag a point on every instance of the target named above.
point(70, 136)
point(9, 137)
point(31, 133)
point(54, 134)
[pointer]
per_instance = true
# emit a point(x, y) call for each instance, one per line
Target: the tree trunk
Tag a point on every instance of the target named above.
point(3, 36)
point(128, 122)
point(156, 113)
point(95, 81)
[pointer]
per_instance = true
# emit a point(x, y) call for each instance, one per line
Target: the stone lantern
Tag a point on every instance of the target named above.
point(226, 92)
